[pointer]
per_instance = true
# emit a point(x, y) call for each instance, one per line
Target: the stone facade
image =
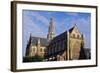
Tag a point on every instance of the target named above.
point(75, 40)
point(70, 45)
point(56, 50)
point(36, 46)
point(66, 46)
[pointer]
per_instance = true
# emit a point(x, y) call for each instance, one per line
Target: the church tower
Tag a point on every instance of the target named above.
point(51, 33)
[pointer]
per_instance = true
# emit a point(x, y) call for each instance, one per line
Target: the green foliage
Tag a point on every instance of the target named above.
point(33, 59)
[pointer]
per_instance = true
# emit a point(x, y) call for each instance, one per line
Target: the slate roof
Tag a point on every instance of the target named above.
point(70, 30)
point(43, 41)
point(87, 52)
point(60, 36)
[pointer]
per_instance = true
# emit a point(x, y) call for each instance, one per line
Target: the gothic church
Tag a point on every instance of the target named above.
point(69, 45)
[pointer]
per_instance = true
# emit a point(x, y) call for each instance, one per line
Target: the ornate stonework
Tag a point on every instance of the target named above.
point(67, 46)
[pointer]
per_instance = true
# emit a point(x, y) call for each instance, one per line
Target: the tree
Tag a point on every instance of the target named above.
point(35, 58)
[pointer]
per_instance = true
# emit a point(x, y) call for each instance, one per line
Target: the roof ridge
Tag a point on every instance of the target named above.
point(39, 37)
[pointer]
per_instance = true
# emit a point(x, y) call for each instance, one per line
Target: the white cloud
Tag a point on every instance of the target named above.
point(31, 26)
point(84, 24)
point(72, 13)
point(39, 17)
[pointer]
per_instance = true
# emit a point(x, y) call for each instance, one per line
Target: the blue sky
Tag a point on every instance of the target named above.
point(37, 23)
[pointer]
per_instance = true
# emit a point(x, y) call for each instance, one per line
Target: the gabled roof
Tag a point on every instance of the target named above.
point(71, 29)
point(43, 41)
point(60, 35)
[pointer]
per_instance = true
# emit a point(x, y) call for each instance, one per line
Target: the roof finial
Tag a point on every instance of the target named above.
point(75, 24)
point(52, 19)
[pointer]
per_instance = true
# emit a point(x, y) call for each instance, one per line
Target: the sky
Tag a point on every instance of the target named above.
point(37, 24)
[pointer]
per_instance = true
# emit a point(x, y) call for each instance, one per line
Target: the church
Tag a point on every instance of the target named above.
point(69, 45)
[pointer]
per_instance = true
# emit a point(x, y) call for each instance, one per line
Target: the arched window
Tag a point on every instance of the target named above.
point(74, 35)
point(54, 48)
point(40, 49)
point(58, 49)
point(33, 49)
point(78, 36)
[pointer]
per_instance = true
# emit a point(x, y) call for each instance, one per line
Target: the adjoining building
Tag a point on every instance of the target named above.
point(68, 45)
point(36, 46)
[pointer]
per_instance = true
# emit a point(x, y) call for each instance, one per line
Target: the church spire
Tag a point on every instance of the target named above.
point(51, 30)
point(51, 33)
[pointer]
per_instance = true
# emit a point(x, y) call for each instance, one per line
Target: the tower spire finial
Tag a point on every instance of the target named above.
point(51, 18)
point(75, 25)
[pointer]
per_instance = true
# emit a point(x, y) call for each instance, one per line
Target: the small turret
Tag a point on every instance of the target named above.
point(29, 44)
point(83, 40)
point(39, 41)
point(30, 39)
point(68, 54)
